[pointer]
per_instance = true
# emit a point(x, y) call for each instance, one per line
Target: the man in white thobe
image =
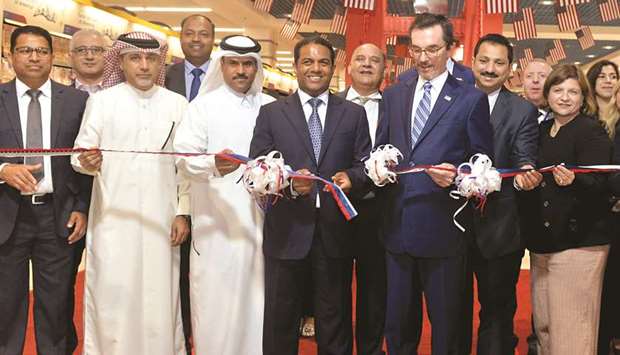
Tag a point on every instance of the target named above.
point(131, 297)
point(226, 263)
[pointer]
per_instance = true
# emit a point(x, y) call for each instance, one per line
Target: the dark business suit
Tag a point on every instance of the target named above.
point(298, 236)
point(459, 72)
point(175, 81)
point(495, 255)
point(425, 250)
point(370, 275)
point(39, 232)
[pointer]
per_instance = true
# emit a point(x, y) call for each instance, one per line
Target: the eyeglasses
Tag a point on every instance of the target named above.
point(27, 51)
point(430, 52)
point(83, 50)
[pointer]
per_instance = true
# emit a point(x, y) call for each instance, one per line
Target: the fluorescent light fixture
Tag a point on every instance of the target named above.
point(229, 29)
point(547, 2)
point(167, 9)
point(577, 63)
point(608, 47)
point(284, 52)
point(590, 56)
point(285, 64)
point(284, 59)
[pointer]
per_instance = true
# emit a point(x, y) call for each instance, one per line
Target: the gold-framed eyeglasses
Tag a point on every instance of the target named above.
point(27, 51)
point(84, 50)
point(430, 52)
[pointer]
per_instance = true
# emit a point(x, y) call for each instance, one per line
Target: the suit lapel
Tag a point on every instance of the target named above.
point(499, 110)
point(9, 100)
point(295, 114)
point(56, 117)
point(446, 97)
point(407, 96)
point(179, 74)
point(332, 120)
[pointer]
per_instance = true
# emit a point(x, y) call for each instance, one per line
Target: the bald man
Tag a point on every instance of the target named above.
point(366, 69)
point(534, 76)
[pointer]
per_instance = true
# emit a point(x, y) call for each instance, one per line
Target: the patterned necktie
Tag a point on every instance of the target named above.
point(314, 126)
point(421, 114)
point(363, 100)
point(196, 72)
point(34, 131)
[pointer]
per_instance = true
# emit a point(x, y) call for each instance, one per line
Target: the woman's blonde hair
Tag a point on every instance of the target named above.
point(609, 115)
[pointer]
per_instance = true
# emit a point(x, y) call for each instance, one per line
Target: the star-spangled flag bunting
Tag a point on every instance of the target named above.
point(572, 2)
point(289, 30)
point(585, 38)
point(339, 21)
point(568, 19)
point(302, 11)
point(360, 4)
point(524, 25)
point(556, 51)
point(502, 6)
point(610, 10)
point(263, 5)
point(391, 40)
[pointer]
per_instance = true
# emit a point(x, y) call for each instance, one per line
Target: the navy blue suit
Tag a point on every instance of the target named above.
point(425, 250)
point(459, 72)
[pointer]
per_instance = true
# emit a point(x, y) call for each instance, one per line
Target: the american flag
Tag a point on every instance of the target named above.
point(263, 5)
point(524, 25)
point(502, 6)
point(528, 56)
point(289, 30)
point(572, 2)
point(403, 64)
point(341, 56)
point(515, 81)
point(585, 38)
point(610, 10)
point(302, 10)
point(391, 40)
point(556, 52)
point(360, 4)
point(568, 19)
point(324, 35)
point(339, 22)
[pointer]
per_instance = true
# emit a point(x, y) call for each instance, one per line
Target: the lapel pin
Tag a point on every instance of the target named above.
point(447, 98)
point(459, 79)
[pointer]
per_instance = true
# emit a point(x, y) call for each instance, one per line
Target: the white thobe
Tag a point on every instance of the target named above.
point(226, 262)
point(131, 295)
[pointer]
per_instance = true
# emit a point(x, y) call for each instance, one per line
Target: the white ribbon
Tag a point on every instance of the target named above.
point(266, 175)
point(378, 164)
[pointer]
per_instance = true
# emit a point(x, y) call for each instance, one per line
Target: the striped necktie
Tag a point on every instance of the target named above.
point(421, 114)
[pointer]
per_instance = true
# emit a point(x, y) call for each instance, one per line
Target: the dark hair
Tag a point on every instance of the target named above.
point(34, 30)
point(199, 15)
point(314, 40)
point(426, 20)
point(596, 69)
point(495, 38)
point(564, 72)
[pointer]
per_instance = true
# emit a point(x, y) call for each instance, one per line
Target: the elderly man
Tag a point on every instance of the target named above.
point(131, 300)
point(227, 306)
point(366, 69)
point(534, 76)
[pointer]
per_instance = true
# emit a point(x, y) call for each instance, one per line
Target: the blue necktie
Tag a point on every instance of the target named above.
point(314, 126)
point(421, 114)
point(196, 72)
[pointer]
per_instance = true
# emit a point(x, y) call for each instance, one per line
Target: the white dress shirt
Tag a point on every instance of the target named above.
point(372, 109)
point(90, 89)
point(189, 77)
point(45, 100)
point(493, 99)
point(437, 84)
point(322, 110)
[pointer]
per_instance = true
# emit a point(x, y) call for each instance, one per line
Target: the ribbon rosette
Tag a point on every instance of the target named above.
point(266, 175)
point(380, 163)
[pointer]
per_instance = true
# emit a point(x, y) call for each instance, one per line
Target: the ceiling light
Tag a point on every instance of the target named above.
point(284, 59)
point(283, 52)
point(590, 56)
point(577, 63)
point(167, 9)
point(547, 2)
point(608, 47)
point(285, 64)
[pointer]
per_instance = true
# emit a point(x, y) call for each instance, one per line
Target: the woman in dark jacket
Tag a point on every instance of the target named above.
point(566, 220)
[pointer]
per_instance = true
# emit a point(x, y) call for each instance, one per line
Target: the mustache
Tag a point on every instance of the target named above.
point(489, 74)
point(240, 76)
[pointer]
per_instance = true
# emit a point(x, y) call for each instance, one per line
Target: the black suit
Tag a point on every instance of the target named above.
point(370, 273)
point(39, 232)
point(175, 81)
point(298, 236)
point(495, 256)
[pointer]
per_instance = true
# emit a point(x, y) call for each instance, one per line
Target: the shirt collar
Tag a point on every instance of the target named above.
point(436, 82)
point(353, 94)
point(304, 97)
point(244, 99)
point(21, 88)
point(189, 67)
point(450, 66)
point(79, 85)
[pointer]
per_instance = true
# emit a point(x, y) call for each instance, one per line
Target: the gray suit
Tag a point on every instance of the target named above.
point(175, 78)
point(39, 232)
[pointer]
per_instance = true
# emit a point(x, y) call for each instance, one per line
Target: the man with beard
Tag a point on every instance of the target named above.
point(320, 133)
point(366, 68)
point(496, 252)
point(227, 288)
point(140, 205)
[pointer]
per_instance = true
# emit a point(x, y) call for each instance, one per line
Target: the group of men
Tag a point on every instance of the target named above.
point(239, 286)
